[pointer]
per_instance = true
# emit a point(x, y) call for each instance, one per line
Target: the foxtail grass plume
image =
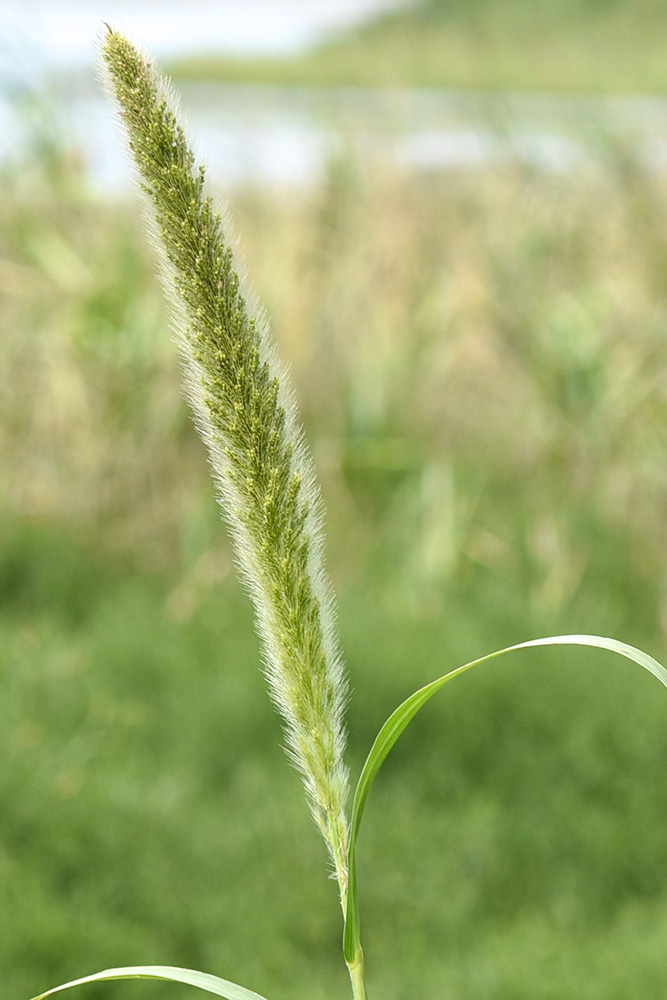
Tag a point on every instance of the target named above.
point(245, 412)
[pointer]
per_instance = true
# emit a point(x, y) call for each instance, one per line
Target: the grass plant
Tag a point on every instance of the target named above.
point(239, 396)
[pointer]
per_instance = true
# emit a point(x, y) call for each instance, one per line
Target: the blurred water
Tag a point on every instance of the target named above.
point(287, 135)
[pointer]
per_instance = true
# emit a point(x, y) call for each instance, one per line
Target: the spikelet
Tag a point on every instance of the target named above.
point(246, 415)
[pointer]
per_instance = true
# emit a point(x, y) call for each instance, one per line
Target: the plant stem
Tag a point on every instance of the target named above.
point(357, 976)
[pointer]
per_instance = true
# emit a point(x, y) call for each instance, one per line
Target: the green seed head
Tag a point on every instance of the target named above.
point(246, 415)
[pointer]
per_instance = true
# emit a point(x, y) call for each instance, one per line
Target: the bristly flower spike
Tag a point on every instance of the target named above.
point(245, 413)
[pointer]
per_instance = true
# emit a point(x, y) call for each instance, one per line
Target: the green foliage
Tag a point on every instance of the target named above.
point(149, 814)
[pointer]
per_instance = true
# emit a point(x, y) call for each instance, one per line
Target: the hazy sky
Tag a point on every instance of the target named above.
point(64, 31)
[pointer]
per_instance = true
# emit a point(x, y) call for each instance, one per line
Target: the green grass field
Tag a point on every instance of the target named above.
point(559, 46)
point(480, 362)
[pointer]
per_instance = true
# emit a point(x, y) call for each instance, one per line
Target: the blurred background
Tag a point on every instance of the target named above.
point(455, 214)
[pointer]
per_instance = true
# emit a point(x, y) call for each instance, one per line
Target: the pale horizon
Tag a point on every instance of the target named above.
point(63, 33)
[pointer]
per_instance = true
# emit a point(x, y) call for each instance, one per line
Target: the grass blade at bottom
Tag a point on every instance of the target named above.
point(190, 977)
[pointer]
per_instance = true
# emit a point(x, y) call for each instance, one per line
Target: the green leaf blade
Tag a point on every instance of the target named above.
point(189, 977)
point(405, 713)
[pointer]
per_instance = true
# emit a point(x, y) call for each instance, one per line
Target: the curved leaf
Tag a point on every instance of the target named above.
point(201, 980)
point(404, 714)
